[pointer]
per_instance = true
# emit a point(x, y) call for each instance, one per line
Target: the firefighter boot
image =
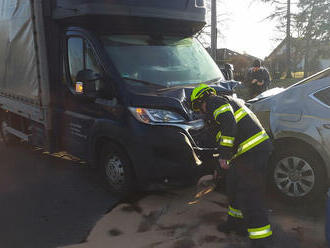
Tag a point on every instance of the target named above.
point(262, 243)
point(234, 225)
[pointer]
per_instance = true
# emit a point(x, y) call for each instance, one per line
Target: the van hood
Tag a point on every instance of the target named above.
point(175, 98)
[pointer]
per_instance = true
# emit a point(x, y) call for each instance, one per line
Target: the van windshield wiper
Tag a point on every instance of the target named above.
point(143, 82)
point(212, 81)
point(215, 80)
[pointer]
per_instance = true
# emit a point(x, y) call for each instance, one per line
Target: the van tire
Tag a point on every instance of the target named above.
point(116, 171)
point(297, 168)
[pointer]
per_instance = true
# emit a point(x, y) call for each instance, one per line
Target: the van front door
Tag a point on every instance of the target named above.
point(80, 113)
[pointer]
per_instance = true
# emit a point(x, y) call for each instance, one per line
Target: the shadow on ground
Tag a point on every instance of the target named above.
point(47, 201)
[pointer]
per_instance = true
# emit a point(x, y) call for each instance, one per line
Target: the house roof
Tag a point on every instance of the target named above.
point(225, 53)
point(279, 46)
point(293, 41)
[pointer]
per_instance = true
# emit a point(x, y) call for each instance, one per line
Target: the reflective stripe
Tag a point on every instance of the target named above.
point(259, 233)
point(218, 136)
point(235, 212)
point(222, 109)
point(251, 142)
point(227, 141)
point(201, 92)
point(240, 114)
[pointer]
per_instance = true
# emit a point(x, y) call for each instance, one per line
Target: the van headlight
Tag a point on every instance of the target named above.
point(149, 116)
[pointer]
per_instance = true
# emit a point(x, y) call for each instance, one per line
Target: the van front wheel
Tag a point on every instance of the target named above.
point(116, 170)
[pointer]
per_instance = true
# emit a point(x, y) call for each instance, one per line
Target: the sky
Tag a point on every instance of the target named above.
point(244, 28)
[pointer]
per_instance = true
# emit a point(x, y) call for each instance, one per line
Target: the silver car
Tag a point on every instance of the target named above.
point(298, 120)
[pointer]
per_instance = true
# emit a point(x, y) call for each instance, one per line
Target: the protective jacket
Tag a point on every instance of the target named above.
point(237, 130)
point(259, 73)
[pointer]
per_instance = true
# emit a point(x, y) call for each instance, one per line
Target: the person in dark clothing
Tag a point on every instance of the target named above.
point(228, 72)
point(244, 149)
point(258, 79)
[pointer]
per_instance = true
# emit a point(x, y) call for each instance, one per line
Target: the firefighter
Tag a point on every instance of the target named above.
point(244, 149)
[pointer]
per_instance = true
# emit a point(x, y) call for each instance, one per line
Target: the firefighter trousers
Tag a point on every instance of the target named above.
point(245, 188)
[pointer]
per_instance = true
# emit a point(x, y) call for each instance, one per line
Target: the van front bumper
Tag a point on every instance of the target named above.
point(164, 152)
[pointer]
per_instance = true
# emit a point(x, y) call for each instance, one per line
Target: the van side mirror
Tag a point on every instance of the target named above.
point(86, 83)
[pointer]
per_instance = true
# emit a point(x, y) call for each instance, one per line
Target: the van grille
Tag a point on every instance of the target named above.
point(204, 138)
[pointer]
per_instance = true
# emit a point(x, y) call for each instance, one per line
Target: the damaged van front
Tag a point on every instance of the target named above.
point(127, 105)
point(158, 74)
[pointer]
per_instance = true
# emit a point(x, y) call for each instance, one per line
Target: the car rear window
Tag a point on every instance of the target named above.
point(323, 96)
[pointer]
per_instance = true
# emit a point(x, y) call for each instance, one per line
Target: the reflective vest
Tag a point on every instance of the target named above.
point(237, 130)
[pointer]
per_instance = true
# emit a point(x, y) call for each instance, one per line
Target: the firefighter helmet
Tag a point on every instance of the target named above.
point(198, 95)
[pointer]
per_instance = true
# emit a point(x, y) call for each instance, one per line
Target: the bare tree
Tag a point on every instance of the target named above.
point(313, 22)
point(204, 36)
point(283, 12)
point(288, 39)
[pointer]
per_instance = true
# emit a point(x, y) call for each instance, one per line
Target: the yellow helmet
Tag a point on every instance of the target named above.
point(199, 93)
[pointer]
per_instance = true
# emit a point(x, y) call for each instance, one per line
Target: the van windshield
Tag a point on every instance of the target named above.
point(161, 60)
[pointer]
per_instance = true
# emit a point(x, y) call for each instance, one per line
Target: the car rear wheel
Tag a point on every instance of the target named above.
point(297, 174)
point(116, 171)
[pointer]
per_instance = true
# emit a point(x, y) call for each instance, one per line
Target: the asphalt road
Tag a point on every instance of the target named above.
point(46, 201)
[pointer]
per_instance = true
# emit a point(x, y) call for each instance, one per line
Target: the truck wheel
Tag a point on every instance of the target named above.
point(7, 138)
point(297, 174)
point(116, 171)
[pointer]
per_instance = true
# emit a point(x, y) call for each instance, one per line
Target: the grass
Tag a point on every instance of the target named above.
point(284, 83)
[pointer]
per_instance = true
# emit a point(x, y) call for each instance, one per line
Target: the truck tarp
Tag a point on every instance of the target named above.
point(18, 56)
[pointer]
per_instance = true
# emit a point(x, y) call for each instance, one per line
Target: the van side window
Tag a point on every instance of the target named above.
point(75, 56)
point(92, 64)
point(82, 57)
